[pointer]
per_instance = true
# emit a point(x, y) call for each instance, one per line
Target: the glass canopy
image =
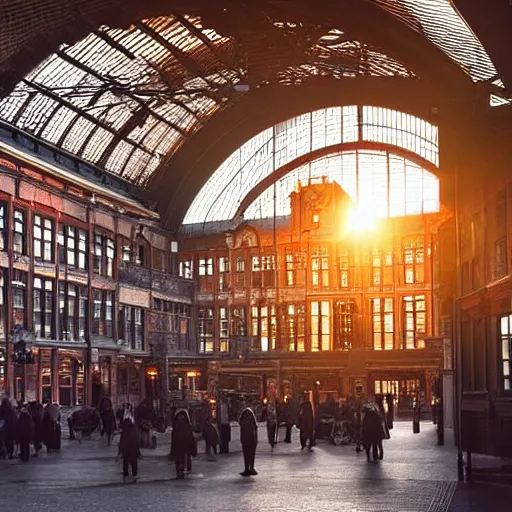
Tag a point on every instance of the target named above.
point(258, 158)
point(127, 99)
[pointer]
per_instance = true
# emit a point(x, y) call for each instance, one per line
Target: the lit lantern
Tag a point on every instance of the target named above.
point(152, 372)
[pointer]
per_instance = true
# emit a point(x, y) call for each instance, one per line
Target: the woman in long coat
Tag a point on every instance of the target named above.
point(372, 433)
point(51, 427)
point(183, 443)
point(249, 440)
point(306, 424)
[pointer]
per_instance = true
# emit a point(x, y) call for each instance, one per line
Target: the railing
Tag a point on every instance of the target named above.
point(159, 281)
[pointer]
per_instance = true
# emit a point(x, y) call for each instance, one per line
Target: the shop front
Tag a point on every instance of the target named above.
point(130, 380)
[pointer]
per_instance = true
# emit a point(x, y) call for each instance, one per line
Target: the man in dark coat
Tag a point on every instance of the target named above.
point(25, 433)
point(306, 423)
point(10, 419)
point(372, 433)
point(211, 439)
point(108, 420)
point(183, 443)
point(129, 448)
point(37, 413)
point(249, 440)
point(288, 417)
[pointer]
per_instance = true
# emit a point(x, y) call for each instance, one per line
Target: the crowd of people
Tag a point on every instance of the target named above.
point(38, 425)
point(25, 425)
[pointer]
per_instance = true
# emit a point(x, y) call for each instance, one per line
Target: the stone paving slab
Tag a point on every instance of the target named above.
point(415, 476)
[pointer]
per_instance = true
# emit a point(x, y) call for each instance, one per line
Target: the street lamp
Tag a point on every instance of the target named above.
point(22, 342)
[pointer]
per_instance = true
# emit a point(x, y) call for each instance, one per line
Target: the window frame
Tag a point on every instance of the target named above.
point(79, 300)
point(44, 240)
point(102, 326)
point(379, 316)
point(505, 339)
point(20, 233)
point(319, 329)
point(45, 288)
point(205, 330)
point(413, 314)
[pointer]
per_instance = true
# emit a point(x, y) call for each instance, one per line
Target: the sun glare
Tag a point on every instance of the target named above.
point(361, 218)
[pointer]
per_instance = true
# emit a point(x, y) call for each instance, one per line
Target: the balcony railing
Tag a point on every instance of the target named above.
point(155, 280)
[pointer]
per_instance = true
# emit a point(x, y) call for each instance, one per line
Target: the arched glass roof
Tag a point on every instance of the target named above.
point(128, 99)
point(386, 184)
point(279, 145)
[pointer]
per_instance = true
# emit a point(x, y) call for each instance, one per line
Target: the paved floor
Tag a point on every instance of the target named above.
point(415, 476)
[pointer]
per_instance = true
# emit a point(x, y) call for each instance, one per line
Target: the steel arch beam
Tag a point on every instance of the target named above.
point(317, 154)
point(177, 183)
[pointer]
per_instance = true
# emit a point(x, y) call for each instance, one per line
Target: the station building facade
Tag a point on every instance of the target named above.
point(88, 279)
point(318, 298)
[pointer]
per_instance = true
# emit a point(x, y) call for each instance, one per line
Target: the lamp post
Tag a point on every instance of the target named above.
point(22, 341)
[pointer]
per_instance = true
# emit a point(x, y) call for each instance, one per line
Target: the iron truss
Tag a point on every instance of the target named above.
point(131, 92)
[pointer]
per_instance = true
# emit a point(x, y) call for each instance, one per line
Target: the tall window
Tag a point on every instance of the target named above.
point(103, 313)
point(184, 316)
point(224, 329)
point(126, 250)
point(223, 274)
point(415, 316)
point(500, 258)
point(186, 269)
point(344, 268)
point(238, 321)
point(3, 227)
point(142, 252)
point(19, 298)
point(43, 238)
point(320, 267)
point(290, 266)
point(73, 246)
point(240, 271)
point(343, 324)
point(205, 329)
point(104, 255)
point(159, 259)
point(320, 326)
point(293, 327)
point(382, 268)
point(43, 308)
point(72, 311)
point(382, 309)
point(20, 232)
point(414, 260)
point(264, 327)
point(205, 274)
point(133, 327)
point(263, 270)
point(506, 351)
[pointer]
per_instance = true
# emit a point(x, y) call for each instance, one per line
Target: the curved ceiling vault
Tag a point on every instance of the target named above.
point(133, 86)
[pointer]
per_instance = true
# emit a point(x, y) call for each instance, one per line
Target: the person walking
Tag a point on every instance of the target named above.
point(25, 433)
point(224, 425)
point(129, 449)
point(249, 440)
point(9, 420)
point(306, 423)
point(271, 423)
point(183, 443)
point(372, 432)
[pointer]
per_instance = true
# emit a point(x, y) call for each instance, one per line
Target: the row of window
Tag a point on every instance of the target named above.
point(263, 268)
point(70, 303)
point(73, 244)
point(331, 325)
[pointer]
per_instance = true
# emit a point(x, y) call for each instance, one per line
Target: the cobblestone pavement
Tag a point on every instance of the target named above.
point(415, 475)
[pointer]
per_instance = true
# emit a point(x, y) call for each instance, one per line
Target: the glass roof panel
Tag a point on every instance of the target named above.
point(279, 145)
point(440, 21)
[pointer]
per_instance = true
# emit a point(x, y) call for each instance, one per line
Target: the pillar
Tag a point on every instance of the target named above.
point(55, 375)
